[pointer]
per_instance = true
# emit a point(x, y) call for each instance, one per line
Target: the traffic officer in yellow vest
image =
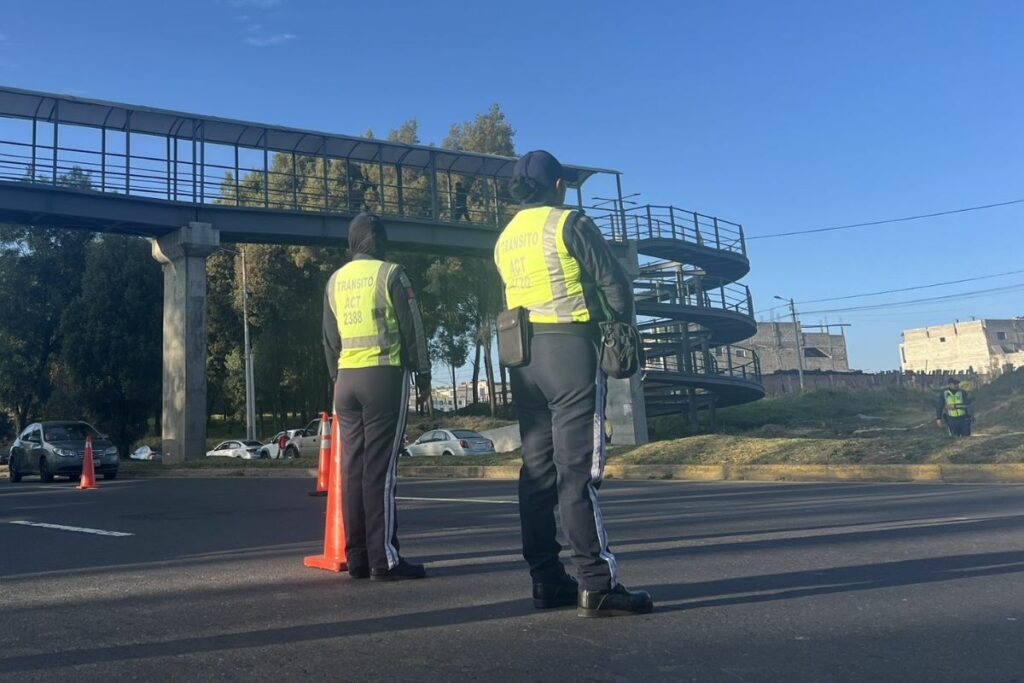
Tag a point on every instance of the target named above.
point(953, 408)
point(554, 263)
point(373, 340)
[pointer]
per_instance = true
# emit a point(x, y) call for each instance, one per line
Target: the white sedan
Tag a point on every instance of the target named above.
point(271, 449)
point(246, 450)
point(451, 442)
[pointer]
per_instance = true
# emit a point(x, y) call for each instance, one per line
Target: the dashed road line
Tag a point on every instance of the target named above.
point(79, 529)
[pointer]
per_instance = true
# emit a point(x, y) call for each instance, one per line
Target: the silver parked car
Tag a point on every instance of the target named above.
point(52, 449)
point(451, 442)
point(305, 443)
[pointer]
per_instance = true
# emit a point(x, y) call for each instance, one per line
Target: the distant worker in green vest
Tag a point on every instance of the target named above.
point(954, 408)
point(374, 342)
point(555, 264)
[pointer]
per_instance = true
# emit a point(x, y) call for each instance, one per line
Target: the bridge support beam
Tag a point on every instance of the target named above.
point(182, 254)
point(625, 408)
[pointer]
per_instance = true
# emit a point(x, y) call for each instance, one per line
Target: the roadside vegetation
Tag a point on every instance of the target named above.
point(884, 426)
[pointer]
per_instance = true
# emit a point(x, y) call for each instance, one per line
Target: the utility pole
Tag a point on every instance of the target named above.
point(799, 339)
point(250, 387)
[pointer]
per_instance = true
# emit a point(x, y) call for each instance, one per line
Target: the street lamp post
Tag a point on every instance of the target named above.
point(250, 383)
point(799, 339)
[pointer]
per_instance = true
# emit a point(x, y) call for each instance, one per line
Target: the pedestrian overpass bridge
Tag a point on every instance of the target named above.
point(190, 182)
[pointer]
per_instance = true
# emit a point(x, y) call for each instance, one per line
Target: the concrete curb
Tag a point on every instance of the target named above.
point(951, 473)
point(198, 472)
point(1010, 472)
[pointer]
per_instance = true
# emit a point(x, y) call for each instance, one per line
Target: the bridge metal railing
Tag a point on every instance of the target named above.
point(287, 181)
point(680, 291)
point(735, 362)
point(652, 221)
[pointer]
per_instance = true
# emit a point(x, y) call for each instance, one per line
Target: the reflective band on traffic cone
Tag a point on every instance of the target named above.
point(333, 559)
point(88, 480)
point(324, 469)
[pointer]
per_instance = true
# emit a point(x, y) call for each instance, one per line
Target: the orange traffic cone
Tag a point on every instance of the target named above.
point(324, 470)
point(88, 480)
point(333, 559)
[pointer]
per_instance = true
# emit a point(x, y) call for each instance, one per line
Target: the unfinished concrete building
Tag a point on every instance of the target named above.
point(776, 346)
point(981, 346)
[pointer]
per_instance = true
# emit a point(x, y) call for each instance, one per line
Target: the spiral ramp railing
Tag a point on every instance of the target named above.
point(691, 310)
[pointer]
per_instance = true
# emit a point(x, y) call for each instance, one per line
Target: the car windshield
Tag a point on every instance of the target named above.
point(68, 431)
point(252, 444)
point(465, 434)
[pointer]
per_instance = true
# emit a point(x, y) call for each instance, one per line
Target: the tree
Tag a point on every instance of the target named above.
point(490, 133)
point(112, 336)
point(40, 274)
point(447, 282)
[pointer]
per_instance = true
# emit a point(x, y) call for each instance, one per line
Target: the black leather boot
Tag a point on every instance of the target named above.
point(561, 593)
point(403, 571)
point(619, 601)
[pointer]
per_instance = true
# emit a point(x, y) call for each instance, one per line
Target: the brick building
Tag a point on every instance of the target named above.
point(776, 346)
point(981, 346)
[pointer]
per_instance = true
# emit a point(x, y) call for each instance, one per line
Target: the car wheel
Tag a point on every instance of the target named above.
point(44, 471)
point(110, 475)
point(291, 453)
point(447, 452)
point(13, 471)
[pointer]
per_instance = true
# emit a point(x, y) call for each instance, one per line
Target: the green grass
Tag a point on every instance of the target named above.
point(885, 426)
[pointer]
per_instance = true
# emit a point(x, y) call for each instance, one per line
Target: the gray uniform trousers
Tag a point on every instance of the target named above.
point(371, 406)
point(560, 399)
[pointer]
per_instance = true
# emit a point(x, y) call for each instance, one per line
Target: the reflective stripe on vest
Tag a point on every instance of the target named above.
point(538, 271)
point(955, 404)
point(366, 317)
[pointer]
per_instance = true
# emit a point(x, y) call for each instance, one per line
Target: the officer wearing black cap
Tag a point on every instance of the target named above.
point(554, 263)
point(373, 340)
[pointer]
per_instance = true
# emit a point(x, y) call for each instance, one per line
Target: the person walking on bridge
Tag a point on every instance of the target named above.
point(555, 264)
point(954, 408)
point(373, 341)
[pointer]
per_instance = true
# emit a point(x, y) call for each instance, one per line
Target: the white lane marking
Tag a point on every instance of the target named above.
point(461, 500)
point(79, 529)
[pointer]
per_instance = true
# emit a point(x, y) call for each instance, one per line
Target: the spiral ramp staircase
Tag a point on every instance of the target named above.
point(691, 309)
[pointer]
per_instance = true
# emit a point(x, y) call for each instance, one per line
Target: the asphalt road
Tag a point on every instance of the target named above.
point(752, 582)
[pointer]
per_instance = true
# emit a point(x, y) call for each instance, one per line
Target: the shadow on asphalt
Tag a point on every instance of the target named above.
point(274, 636)
point(669, 598)
point(791, 585)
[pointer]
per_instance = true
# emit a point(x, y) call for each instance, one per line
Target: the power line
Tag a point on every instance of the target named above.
point(883, 222)
point(895, 291)
point(909, 302)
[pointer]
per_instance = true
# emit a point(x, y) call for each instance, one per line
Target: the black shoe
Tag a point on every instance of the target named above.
point(359, 572)
point(400, 572)
point(561, 593)
point(619, 601)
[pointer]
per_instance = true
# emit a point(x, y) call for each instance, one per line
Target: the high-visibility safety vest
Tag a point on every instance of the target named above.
point(366, 317)
point(538, 271)
point(955, 403)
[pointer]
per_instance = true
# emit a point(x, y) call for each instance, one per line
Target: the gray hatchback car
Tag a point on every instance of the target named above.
point(52, 449)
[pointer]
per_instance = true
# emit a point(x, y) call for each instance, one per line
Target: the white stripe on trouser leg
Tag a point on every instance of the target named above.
point(392, 476)
point(597, 472)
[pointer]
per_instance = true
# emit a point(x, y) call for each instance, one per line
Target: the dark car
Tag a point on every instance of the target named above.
point(52, 449)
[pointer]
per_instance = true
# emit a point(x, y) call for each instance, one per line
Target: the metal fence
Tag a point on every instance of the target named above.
point(652, 221)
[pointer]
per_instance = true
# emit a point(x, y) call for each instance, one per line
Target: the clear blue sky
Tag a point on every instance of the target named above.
point(780, 116)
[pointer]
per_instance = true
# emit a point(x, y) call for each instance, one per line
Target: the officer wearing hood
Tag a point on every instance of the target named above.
point(374, 342)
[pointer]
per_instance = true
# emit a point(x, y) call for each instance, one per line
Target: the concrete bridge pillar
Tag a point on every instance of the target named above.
point(182, 254)
point(625, 408)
